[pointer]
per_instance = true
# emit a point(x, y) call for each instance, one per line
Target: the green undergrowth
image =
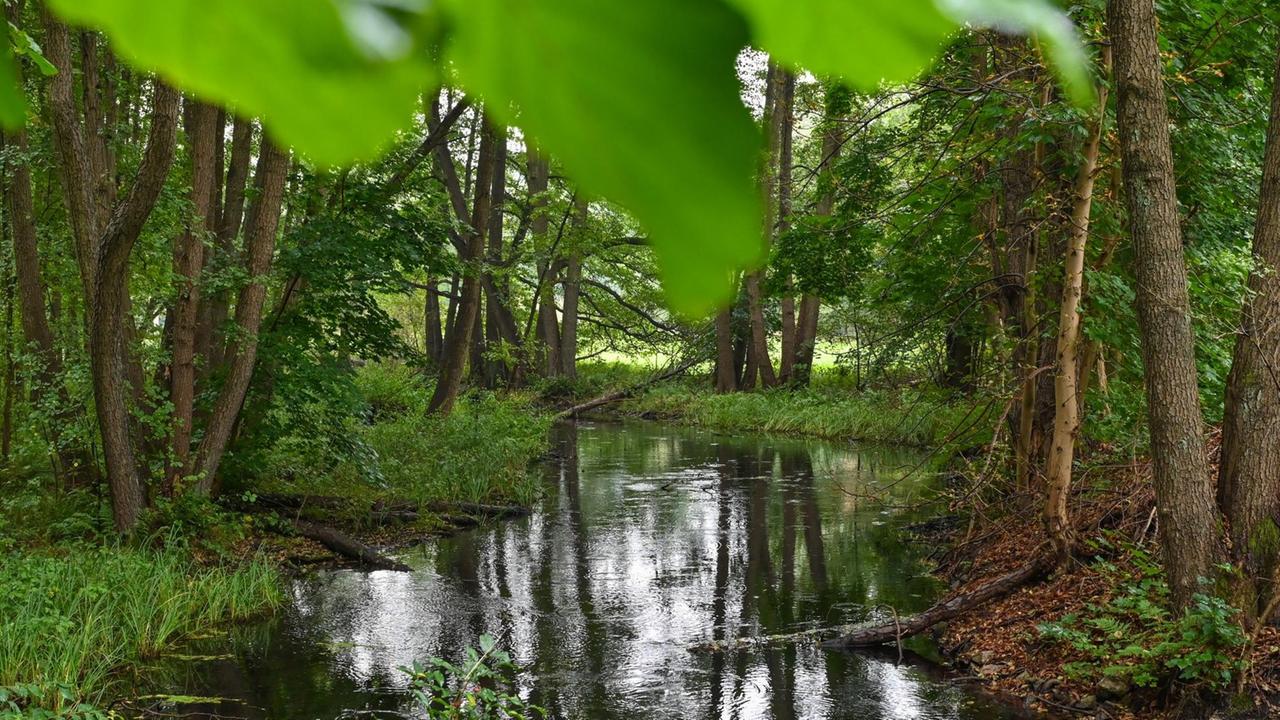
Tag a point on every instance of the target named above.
point(74, 618)
point(904, 416)
point(395, 448)
point(1134, 637)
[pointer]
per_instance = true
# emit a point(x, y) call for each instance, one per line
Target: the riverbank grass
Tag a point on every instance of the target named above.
point(904, 416)
point(73, 618)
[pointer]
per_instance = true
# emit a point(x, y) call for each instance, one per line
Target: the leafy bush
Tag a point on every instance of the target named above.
point(482, 687)
point(1135, 637)
point(395, 447)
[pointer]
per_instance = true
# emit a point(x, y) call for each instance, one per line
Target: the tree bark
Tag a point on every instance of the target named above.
point(188, 260)
point(726, 381)
point(260, 241)
point(211, 343)
point(1184, 494)
point(547, 328)
point(572, 289)
point(458, 341)
point(784, 111)
point(1249, 480)
point(1066, 421)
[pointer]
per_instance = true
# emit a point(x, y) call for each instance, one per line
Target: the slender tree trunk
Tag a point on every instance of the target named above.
point(108, 309)
point(1249, 481)
point(211, 342)
point(458, 341)
point(571, 290)
point(1066, 422)
point(433, 344)
point(547, 329)
point(1184, 494)
point(260, 242)
point(786, 123)
point(187, 261)
point(495, 316)
point(725, 376)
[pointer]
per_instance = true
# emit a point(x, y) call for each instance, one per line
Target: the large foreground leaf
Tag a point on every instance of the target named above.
point(869, 42)
point(334, 78)
point(639, 102)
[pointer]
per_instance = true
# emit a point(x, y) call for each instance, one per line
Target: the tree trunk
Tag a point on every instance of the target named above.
point(547, 329)
point(188, 259)
point(214, 310)
point(260, 242)
point(107, 308)
point(572, 289)
point(1184, 494)
point(725, 376)
point(1249, 481)
point(458, 341)
point(1066, 421)
point(433, 344)
point(784, 111)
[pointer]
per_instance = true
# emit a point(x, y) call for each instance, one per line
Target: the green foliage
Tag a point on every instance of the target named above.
point(481, 687)
point(391, 446)
point(1135, 637)
point(659, 96)
point(69, 619)
point(302, 64)
point(23, 701)
point(626, 95)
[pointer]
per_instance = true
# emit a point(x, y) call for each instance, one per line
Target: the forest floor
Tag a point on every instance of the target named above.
point(1095, 638)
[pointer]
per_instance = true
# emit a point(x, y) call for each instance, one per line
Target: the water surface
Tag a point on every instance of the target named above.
point(652, 542)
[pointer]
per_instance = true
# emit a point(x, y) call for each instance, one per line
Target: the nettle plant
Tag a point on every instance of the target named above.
point(481, 687)
point(1134, 636)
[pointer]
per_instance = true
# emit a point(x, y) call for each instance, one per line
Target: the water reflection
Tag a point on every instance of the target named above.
point(651, 540)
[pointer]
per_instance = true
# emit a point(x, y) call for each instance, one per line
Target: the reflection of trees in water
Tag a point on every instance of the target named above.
point(718, 537)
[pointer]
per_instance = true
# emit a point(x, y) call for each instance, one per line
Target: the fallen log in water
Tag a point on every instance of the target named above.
point(625, 393)
point(347, 546)
point(947, 609)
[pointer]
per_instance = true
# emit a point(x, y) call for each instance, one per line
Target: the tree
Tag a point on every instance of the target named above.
point(1184, 494)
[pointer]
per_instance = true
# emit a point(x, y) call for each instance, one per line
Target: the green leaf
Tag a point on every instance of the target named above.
point(639, 102)
point(335, 79)
point(865, 42)
point(1054, 31)
point(13, 102)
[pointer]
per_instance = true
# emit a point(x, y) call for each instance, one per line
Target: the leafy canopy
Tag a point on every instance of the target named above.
point(631, 97)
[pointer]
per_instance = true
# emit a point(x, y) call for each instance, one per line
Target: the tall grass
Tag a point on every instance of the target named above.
point(903, 416)
point(71, 618)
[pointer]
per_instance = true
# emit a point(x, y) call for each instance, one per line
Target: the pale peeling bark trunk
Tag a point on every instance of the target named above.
point(1066, 421)
point(1184, 493)
point(188, 260)
point(1249, 482)
point(572, 290)
point(260, 242)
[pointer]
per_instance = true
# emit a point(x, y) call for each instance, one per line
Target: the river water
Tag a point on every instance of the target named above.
point(651, 543)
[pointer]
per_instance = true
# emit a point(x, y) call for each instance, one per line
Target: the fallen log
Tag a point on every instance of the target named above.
point(347, 546)
point(481, 509)
point(624, 393)
point(947, 609)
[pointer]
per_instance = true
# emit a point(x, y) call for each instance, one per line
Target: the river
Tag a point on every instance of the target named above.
point(651, 543)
